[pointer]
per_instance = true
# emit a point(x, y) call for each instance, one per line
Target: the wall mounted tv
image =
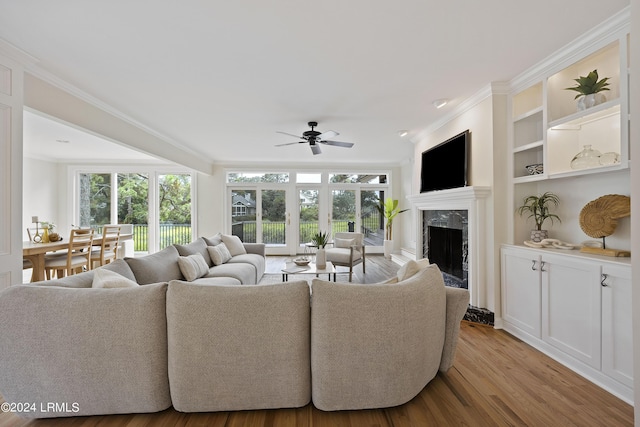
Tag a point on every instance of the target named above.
point(445, 166)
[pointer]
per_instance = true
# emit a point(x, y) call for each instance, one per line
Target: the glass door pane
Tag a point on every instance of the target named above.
point(371, 221)
point(243, 215)
point(174, 203)
point(274, 217)
point(343, 213)
point(133, 207)
point(309, 208)
point(95, 200)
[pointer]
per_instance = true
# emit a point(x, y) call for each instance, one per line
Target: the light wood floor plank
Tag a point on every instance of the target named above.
point(496, 380)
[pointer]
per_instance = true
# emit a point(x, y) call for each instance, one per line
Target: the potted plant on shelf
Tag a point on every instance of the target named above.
point(589, 90)
point(320, 240)
point(389, 210)
point(538, 208)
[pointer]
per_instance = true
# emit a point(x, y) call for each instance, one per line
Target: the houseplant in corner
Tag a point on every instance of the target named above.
point(320, 240)
point(589, 88)
point(389, 210)
point(538, 208)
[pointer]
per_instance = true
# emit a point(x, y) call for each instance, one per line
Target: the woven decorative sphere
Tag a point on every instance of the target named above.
point(599, 218)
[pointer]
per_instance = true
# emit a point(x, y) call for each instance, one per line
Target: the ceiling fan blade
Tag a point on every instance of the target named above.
point(315, 149)
point(328, 134)
point(289, 143)
point(290, 134)
point(338, 143)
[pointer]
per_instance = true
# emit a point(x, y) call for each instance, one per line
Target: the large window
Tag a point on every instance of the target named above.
point(285, 209)
point(125, 198)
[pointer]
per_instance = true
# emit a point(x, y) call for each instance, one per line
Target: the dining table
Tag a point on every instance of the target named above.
point(35, 252)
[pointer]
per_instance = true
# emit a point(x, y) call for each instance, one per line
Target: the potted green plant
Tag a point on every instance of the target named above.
point(320, 240)
point(389, 210)
point(538, 208)
point(589, 88)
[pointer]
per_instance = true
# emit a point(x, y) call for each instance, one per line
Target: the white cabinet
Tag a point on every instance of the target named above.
point(521, 290)
point(617, 337)
point(571, 318)
point(574, 307)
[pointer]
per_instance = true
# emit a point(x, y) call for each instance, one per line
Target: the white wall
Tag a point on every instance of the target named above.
point(480, 118)
point(42, 193)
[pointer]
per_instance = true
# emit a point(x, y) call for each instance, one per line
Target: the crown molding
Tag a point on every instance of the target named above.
point(16, 54)
point(599, 36)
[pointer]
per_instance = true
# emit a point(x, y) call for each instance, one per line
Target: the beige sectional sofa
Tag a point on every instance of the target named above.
point(211, 345)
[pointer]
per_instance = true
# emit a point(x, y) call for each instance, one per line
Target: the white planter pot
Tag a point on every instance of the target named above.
point(321, 258)
point(388, 248)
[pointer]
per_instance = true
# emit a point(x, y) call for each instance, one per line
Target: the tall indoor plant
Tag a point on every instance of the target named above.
point(389, 210)
point(538, 208)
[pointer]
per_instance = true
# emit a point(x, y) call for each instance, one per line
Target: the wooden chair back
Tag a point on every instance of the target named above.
point(78, 256)
point(109, 248)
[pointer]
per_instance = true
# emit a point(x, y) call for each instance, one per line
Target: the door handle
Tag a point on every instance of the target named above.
point(603, 278)
point(533, 266)
point(542, 266)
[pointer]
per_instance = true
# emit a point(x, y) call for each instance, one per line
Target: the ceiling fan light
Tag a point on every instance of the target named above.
point(439, 103)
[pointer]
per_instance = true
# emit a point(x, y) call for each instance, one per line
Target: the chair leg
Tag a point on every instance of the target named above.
point(350, 272)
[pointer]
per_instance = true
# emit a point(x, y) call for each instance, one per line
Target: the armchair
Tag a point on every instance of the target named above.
point(347, 251)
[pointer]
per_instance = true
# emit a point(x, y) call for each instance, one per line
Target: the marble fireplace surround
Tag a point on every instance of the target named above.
point(471, 199)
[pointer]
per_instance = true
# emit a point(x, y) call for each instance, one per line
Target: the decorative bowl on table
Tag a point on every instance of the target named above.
point(301, 261)
point(535, 169)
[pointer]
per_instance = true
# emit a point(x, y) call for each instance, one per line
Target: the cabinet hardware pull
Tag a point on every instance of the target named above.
point(542, 266)
point(533, 266)
point(604, 277)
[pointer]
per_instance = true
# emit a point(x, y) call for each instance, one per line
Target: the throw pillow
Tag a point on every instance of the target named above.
point(344, 243)
point(219, 254)
point(234, 244)
point(409, 268)
point(214, 240)
point(193, 266)
point(109, 279)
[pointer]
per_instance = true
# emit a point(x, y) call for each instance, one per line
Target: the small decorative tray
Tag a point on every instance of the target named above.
point(301, 261)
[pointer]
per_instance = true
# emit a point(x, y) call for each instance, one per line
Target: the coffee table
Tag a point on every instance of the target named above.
point(311, 268)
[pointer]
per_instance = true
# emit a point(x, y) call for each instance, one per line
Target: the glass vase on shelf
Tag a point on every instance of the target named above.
point(587, 158)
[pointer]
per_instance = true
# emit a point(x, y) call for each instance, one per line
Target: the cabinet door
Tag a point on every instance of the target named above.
point(617, 337)
point(571, 307)
point(521, 289)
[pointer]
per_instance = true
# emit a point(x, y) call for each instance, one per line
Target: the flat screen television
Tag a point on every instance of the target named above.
point(445, 166)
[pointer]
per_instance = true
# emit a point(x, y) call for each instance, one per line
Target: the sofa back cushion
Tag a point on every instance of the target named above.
point(85, 280)
point(94, 347)
point(158, 267)
point(238, 347)
point(386, 339)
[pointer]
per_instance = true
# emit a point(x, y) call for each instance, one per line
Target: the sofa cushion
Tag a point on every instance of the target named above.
point(245, 273)
point(193, 266)
point(219, 254)
point(234, 244)
point(85, 280)
point(103, 278)
point(238, 347)
point(258, 261)
point(105, 349)
point(225, 281)
point(158, 267)
point(198, 246)
point(378, 345)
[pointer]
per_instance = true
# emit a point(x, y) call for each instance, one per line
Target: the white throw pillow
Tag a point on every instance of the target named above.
point(219, 253)
point(193, 266)
point(234, 244)
point(344, 243)
point(103, 278)
point(407, 270)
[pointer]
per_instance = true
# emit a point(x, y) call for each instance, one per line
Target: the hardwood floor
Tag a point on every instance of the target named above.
point(496, 380)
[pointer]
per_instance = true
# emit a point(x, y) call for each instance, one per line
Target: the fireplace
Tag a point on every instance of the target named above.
point(445, 243)
point(450, 228)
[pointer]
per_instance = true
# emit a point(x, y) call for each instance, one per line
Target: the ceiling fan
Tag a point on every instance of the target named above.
point(313, 137)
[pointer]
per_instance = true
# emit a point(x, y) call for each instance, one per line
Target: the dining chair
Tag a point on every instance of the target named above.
point(108, 250)
point(347, 251)
point(78, 255)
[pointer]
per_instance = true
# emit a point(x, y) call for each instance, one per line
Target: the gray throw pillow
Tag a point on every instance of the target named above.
point(193, 266)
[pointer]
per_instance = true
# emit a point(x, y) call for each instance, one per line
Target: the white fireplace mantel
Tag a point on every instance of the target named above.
point(471, 199)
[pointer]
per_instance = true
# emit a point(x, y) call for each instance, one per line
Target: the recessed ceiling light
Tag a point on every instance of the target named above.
point(62, 141)
point(403, 133)
point(439, 103)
